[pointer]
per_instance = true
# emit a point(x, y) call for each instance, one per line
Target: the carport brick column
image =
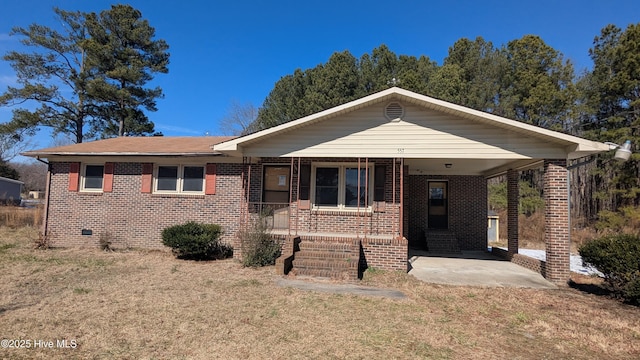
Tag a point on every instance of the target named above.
point(513, 196)
point(556, 221)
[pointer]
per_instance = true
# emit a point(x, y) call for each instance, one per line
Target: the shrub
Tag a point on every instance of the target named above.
point(105, 241)
point(196, 241)
point(618, 258)
point(626, 219)
point(258, 246)
point(42, 242)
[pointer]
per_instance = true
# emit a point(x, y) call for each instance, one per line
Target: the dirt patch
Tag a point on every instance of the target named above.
point(147, 304)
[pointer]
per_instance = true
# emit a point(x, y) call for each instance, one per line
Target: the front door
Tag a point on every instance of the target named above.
point(438, 208)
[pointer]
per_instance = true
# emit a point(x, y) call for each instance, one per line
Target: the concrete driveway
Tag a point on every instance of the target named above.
point(475, 268)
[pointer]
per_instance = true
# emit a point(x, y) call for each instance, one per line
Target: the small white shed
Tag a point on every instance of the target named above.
point(493, 225)
point(10, 191)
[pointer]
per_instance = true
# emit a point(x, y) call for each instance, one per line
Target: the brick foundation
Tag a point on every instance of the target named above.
point(527, 262)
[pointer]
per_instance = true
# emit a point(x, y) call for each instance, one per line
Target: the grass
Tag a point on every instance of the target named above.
point(147, 304)
point(17, 217)
point(531, 232)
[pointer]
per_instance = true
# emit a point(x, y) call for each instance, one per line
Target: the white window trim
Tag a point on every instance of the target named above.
point(83, 173)
point(179, 180)
point(341, 185)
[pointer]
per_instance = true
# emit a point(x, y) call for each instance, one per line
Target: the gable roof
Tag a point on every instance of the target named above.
point(575, 146)
point(152, 145)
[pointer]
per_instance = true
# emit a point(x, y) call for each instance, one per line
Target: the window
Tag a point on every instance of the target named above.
point(92, 177)
point(179, 179)
point(336, 186)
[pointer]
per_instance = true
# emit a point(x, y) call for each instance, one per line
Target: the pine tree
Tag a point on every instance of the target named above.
point(125, 56)
point(54, 76)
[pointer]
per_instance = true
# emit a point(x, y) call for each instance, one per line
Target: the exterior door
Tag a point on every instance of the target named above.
point(438, 207)
point(275, 188)
point(275, 195)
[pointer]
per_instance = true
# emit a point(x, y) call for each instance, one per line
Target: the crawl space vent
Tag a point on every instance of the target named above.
point(394, 111)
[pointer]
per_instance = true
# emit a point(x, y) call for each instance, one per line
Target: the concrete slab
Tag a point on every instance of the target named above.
point(474, 268)
point(334, 288)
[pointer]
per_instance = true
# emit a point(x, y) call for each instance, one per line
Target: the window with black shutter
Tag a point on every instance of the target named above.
point(305, 182)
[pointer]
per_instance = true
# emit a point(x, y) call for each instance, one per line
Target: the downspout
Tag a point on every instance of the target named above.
point(249, 192)
point(45, 220)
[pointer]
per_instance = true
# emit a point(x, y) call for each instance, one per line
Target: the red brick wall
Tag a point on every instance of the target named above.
point(133, 218)
point(467, 209)
point(556, 226)
point(385, 254)
point(527, 262)
point(513, 201)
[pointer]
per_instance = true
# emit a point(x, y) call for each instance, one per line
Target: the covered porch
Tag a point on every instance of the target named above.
point(396, 170)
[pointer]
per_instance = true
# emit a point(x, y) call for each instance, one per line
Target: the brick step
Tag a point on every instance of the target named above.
point(323, 254)
point(443, 249)
point(442, 241)
point(325, 264)
point(326, 259)
point(324, 246)
point(331, 274)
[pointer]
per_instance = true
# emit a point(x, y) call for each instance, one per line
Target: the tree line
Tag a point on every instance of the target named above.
point(89, 79)
point(525, 79)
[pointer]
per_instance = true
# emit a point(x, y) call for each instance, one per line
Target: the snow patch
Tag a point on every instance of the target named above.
point(576, 261)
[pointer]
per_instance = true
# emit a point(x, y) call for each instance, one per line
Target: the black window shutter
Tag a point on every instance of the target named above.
point(305, 182)
point(379, 185)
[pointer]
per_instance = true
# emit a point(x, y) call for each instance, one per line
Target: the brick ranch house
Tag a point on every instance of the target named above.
point(369, 179)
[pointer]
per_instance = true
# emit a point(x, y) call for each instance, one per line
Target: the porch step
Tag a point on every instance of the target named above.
point(325, 259)
point(442, 241)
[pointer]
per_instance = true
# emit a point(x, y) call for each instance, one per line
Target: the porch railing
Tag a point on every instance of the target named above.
point(276, 215)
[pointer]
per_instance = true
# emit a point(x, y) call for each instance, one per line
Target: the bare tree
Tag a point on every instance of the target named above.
point(61, 140)
point(239, 119)
point(11, 145)
point(33, 174)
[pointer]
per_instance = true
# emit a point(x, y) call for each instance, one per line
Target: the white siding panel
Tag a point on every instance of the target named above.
point(423, 133)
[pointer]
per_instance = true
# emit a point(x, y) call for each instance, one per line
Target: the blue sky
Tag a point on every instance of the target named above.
point(236, 50)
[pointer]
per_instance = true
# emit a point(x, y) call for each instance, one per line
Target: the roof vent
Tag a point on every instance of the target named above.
point(394, 111)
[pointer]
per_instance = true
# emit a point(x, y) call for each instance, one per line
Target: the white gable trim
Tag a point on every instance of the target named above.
point(575, 146)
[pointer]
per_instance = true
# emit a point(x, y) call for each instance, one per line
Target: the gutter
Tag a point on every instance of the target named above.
point(44, 154)
point(45, 220)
